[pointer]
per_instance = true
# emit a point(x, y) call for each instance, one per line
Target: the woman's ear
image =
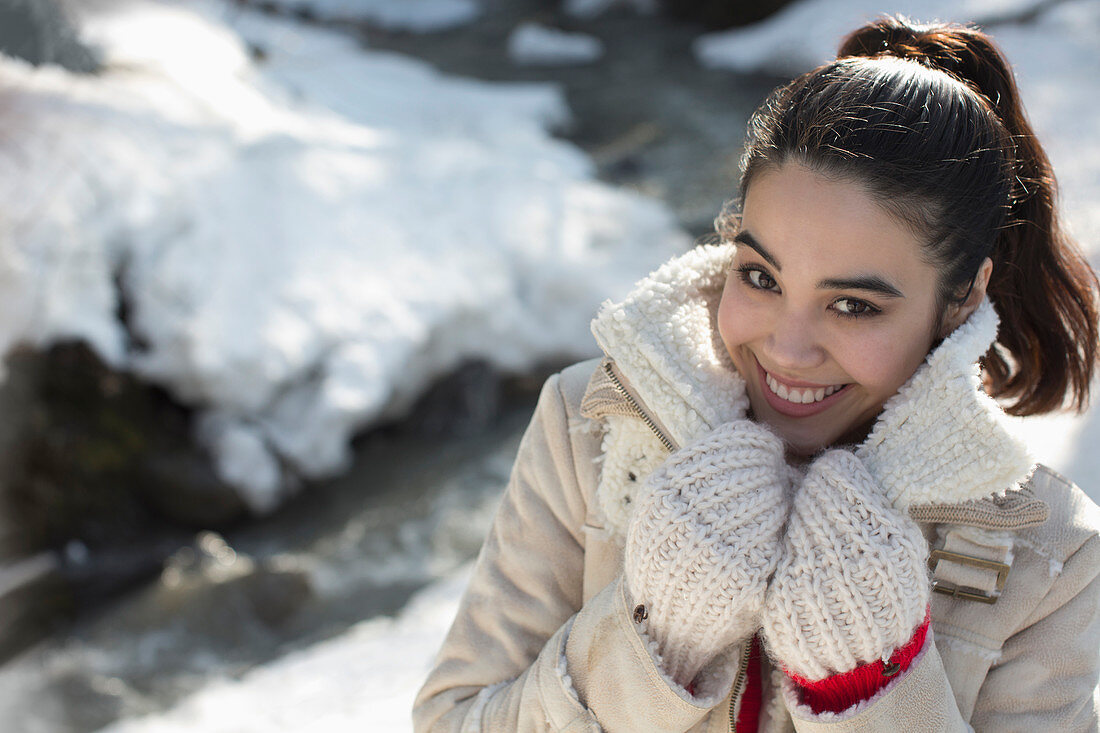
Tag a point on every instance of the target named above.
point(956, 313)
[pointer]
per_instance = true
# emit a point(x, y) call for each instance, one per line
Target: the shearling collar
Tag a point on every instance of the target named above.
point(663, 338)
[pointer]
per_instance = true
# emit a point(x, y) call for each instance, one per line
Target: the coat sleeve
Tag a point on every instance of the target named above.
point(1045, 678)
point(920, 701)
point(523, 654)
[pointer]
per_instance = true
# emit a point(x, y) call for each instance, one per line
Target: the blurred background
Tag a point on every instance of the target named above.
point(280, 281)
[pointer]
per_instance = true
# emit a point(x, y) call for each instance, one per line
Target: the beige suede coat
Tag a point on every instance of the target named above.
point(546, 637)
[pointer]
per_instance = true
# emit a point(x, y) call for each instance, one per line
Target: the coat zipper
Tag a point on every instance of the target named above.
point(609, 368)
point(746, 648)
point(739, 683)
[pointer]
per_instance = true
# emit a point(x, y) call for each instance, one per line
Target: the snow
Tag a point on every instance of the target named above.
point(415, 16)
point(367, 676)
point(304, 243)
point(531, 44)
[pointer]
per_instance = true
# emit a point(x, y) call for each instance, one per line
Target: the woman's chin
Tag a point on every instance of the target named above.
point(801, 450)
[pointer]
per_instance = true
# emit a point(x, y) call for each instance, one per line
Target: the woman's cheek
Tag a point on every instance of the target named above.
point(733, 317)
point(880, 361)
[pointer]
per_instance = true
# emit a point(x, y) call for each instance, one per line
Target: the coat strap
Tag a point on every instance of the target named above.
point(972, 563)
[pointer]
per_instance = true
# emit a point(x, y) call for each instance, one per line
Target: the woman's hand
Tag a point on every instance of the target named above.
point(852, 585)
point(703, 542)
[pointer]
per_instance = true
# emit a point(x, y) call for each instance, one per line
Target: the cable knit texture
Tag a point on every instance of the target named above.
point(852, 584)
point(941, 438)
point(704, 540)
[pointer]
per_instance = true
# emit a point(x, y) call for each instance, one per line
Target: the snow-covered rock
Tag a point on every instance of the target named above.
point(302, 244)
point(532, 44)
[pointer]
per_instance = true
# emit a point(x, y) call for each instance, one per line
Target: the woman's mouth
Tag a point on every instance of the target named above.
point(798, 400)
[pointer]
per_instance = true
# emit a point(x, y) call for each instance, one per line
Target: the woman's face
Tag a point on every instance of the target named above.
point(828, 308)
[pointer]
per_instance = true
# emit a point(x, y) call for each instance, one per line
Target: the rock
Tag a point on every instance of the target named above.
point(462, 403)
point(40, 32)
point(721, 14)
point(96, 455)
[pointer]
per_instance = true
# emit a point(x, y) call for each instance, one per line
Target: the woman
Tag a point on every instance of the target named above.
point(736, 521)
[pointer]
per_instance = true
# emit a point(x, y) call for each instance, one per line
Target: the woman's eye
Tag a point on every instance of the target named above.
point(757, 278)
point(853, 307)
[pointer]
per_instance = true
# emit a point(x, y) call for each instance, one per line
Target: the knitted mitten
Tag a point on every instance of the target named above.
point(852, 585)
point(703, 541)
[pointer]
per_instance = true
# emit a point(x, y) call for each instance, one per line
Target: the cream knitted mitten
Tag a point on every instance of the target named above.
point(703, 541)
point(852, 585)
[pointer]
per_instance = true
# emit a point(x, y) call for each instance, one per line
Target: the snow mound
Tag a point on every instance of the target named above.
point(532, 44)
point(301, 243)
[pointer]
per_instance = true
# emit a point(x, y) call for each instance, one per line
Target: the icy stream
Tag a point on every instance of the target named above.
point(412, 510)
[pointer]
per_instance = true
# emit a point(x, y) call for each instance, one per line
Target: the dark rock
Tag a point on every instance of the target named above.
point(183, 486)
point(40, 32)
point(91, 454)
point(721, 14)
point(210, 591)
point(33, 599)
point(462, 403)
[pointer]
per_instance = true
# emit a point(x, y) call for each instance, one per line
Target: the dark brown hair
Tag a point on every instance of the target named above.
point(927, 118)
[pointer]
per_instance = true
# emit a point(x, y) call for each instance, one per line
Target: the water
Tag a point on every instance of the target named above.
point(410, 510)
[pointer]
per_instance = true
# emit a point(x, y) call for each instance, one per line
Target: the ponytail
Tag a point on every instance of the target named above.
point(968, 171)
point(1043, 287)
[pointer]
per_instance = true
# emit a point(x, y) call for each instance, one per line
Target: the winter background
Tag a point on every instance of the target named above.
point(279, 281)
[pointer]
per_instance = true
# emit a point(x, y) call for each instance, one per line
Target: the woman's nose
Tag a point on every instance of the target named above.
point(795, 342)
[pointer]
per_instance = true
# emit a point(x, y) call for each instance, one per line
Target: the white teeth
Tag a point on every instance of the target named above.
point(799, 396)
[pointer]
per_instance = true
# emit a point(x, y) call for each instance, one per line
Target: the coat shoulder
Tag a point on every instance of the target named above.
point(573, 382)
point(1074, 517)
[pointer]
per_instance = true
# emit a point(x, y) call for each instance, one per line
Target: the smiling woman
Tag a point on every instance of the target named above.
point(728, 522)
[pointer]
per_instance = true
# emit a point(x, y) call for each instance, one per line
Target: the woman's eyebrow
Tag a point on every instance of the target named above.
point(872, 283)
point(748, 240)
